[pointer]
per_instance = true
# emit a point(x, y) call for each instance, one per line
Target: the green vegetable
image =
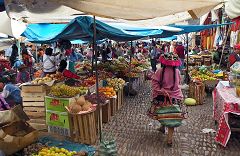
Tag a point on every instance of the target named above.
point(190, 102)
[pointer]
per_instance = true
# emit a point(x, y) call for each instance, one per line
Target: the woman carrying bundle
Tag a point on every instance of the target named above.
point(167, 95)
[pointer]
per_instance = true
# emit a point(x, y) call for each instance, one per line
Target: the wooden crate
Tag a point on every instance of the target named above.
point(119, 98)
point(113, 106)
point(36, 115)
point(106, 112)
point(34, 97)
point(83, 128)
point(38, 124)
point(142, 78)
point(197, 91)
point(35, 88)
point(33, 106)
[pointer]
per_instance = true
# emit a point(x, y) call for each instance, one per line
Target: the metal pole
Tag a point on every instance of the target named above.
point(96, 74)
point(130, 64)
point(93, 55)
point(187, 49)
point(36, 55)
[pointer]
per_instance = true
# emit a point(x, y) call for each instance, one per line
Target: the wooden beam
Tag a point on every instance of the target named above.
point(193, 15)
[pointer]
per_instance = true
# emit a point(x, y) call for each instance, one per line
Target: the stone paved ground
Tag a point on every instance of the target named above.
point(136, 134)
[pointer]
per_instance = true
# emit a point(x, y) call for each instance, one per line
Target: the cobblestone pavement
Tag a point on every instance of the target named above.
point(137, 135)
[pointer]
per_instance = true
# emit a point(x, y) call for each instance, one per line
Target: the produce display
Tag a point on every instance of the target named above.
point(104, 75)
point(33, 149)
point(108, 91)
point(131, 75)
point(67, 91)
point(79, 104)
point(83, 67)
point(116, 83)
point(89, 82)
point(202, 74)
point(38, 74)
point(55, 151)
point(48, 78)
point(235, 68)
point(93, 98)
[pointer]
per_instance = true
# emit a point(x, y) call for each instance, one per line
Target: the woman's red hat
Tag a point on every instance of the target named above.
point(170, 59)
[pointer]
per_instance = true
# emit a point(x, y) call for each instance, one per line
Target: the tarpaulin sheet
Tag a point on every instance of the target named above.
point(42, 32)
point(67, 145)
point(196, 28)
point(82, 28)
point(232, 8)
point(53, 10)
point(2, 7)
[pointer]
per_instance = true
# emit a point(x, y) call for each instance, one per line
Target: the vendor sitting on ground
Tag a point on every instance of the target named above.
point(11, 93)
point(66, 73)
point(23, 75)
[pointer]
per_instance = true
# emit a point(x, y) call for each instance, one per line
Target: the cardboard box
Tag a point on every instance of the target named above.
point(14, 114)
point(16, 136)
point(55, 118)
point(59, 130)
point(56, 104)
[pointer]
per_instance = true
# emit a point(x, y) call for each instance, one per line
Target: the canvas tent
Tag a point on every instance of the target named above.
point(10, 27)
point(81, 28)
point(232, 8)
point(54, 10)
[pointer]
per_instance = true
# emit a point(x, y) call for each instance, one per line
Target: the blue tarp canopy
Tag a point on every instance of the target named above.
point(169, 38)
point(2, 7)
point(196, 28)
point(42, 32)
point(81, 29)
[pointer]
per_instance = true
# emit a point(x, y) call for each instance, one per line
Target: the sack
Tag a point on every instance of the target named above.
point(16, 136)
point(169, 116)
point(167, 113)
point(108, 148)
point(12, 115)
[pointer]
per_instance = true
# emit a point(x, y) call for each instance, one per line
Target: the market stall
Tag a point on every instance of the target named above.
point(226, 101)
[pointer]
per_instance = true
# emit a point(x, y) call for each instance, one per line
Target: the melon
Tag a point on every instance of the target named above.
point(190, 102)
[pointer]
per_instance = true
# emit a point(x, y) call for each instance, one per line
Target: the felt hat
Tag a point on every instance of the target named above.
point(170, 59)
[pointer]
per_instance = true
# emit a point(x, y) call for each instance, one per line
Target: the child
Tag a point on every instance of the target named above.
point(23, 76)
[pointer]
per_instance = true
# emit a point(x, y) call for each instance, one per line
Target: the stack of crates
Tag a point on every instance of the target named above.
point(33, 104)
point(57, 118)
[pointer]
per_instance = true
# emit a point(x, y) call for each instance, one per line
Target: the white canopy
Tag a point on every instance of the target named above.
point(56, 10)
point(232, 8)
point(11, 27)
point(5, 43)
